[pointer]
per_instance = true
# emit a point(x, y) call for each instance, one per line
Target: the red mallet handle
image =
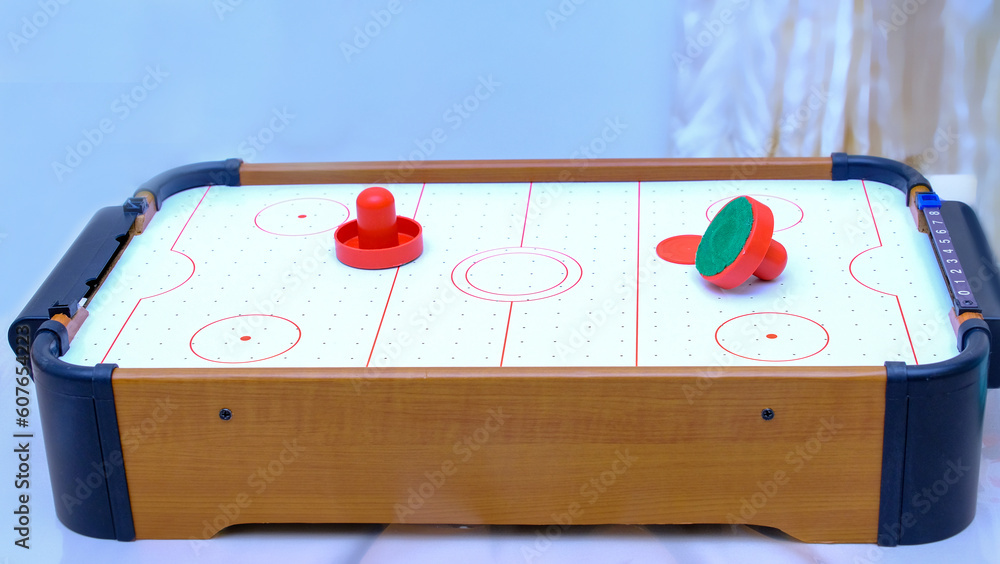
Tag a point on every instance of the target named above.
point(378, 238)
point(773, 263)
point(377, 219)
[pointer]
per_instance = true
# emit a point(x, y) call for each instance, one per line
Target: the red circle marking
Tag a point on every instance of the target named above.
point(680, 249)
point(297, 339)
point(802, 214)
point(480, 261)
point(500, 251)
point(772, 336)
point(245, 338)
point(825, 332)
point(256, 218)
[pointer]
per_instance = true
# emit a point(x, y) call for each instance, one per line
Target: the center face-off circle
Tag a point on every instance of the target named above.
point(245, 338)
point(301, 217)
point(772, 337)
point(516, 274)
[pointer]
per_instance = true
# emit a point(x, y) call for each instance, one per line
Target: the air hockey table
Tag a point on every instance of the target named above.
point(203, 359)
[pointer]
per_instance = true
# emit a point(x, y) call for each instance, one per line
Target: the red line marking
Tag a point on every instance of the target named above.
point(105, 358)
point(510, 313)
point(872, 211)
point(421, 197)
point(526, 208)
point(907, 328)
point(638, 261)
point(389, 297)
point(510, 310)
point(194, 211)
point(850, 269)
point(194, 267)
point(379, 330)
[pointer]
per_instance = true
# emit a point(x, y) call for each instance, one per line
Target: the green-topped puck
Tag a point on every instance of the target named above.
point(725, 237)
point(738, 244)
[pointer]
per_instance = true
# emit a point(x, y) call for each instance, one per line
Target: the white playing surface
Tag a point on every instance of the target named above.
point(519, 275)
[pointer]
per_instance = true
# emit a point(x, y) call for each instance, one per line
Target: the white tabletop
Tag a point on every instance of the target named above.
point(520, 275)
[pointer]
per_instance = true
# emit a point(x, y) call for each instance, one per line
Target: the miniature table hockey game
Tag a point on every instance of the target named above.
point(793, 343)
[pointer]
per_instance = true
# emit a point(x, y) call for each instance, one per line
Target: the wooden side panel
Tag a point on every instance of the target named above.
point(565, 170)
point(504, 446)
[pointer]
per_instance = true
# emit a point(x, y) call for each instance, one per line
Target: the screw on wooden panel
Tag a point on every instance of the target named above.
point(767, 413)
point(225, 414)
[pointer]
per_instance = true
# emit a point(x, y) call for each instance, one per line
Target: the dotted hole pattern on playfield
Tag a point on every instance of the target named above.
point(564, 286)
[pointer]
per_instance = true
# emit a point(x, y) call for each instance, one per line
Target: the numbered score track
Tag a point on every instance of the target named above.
point(520, 274)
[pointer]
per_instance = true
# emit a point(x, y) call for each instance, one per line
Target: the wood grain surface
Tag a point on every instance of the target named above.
point(504, 446)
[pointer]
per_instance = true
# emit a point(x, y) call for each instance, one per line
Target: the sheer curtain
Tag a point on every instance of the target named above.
point(913, 80)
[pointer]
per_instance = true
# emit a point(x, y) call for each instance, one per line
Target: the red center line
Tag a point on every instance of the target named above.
point(193, 265)
point(850, 268)
point(506, 332)
point(524, 228)
point(379, 330)
point(389, 297)
point(419, 198)
point(510, 311)
point(638, 251)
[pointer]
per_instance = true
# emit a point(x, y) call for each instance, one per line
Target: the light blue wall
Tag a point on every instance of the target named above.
point(184, 81)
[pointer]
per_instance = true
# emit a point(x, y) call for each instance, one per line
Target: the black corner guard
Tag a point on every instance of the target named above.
point(168, 183)
point(94, 251)
point(82, 442)
point(887, 171)
point(932, 443)
point(980, 270)
point(83, 264)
